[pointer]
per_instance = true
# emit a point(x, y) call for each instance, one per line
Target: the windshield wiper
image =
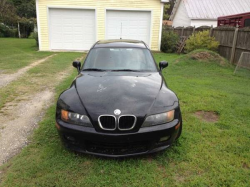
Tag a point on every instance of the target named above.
point(93, 69)
point(126, 70)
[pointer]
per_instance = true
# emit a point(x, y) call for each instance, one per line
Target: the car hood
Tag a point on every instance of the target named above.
point(131, 92)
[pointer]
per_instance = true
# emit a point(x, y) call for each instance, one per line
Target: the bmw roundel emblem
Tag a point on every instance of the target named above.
point(117, 112)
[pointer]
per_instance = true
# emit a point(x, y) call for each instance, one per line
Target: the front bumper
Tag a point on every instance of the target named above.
point(145, 141)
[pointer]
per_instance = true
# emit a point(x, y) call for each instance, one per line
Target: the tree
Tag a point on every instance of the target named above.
point(168, 7)
point(19, 14)
point(25, 8)
point(7, 13)
point(165, 13)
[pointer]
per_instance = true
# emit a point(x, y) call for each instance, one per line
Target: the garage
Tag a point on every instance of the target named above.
point(128, 25)
point(76, 25)
point(71, 29)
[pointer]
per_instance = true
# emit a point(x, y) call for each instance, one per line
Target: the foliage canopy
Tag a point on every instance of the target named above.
point(201, 40)
point(14, 13)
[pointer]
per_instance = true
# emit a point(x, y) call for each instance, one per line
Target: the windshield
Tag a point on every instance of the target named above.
point(119, 59)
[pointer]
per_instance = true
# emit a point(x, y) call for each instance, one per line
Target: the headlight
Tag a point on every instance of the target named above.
point(158, 119)
point(75, 118)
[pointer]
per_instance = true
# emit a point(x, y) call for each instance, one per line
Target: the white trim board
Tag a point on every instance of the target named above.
point(38, 26)
point(160, 31)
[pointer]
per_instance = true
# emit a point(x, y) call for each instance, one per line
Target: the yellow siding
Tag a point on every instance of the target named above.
point(100, 6)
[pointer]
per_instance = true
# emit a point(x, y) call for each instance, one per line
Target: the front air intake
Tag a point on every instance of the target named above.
point(126, 122)
point(107, 122)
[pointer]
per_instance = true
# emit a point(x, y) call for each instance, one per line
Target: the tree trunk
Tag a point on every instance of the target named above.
point(18, 26)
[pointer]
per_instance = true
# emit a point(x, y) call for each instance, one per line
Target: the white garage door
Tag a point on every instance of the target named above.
point(128, 25)
point(71, 29)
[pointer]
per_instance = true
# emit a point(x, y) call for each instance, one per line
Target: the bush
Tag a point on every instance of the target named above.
point(36, 38)
point(169, 42)
point(201, 40)
point(34, 35)
point(26, 26)
point(6, 31)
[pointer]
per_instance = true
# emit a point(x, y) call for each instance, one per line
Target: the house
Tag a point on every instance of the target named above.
point(75, 25)
point(205, 12)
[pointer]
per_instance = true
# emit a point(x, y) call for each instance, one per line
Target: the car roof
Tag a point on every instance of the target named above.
point(120, 43)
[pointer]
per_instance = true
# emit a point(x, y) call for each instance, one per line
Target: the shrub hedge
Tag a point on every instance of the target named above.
point(201, 40)
point(169, 41)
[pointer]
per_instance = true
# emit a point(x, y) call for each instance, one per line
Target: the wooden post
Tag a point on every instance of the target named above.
point(182, 31)
point(193, 31)
point(211, 31)
point(234, 45)
point(240, 60)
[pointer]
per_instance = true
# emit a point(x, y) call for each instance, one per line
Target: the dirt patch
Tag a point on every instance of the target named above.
point(208, 57)
point(208, 116)
point(15, 131)
point(5, 79)
point(15, 127)
point(87, 163)
point(244, 165)
point(162, 171)
point(179, 178)
point(201, 56)
point(21, 114)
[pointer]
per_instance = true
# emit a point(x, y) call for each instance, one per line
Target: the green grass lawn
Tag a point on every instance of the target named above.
point(207, 154)
point(17, 53)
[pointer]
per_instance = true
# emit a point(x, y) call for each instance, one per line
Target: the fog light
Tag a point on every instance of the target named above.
point(165, 138)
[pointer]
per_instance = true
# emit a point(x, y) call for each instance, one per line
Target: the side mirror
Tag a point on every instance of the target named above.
point(163, 64)
point(77, 65)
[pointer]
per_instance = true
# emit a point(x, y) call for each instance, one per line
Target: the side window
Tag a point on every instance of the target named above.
point(247, 22)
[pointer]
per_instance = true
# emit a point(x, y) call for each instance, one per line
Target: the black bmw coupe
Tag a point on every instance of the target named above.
point(119, 104)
